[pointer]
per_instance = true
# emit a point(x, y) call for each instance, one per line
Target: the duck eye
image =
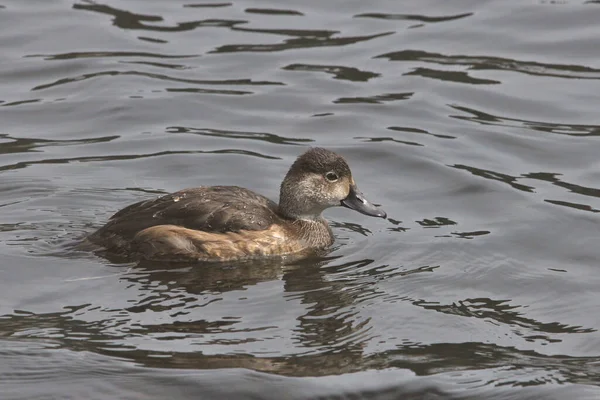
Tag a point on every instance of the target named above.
point(331, 176)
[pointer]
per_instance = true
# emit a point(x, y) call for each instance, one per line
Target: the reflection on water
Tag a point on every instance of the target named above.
point(561, 129)
point(301, 40)
point(333, 337)
point(157, 77)
point(129, 20)
point(413, 17)
point(338, 71)
point(494, 63)
point(475, 125)
point(220, 133)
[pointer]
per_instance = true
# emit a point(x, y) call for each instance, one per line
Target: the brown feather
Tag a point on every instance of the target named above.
point(209, 209)
point(175, 243)
point(222, 223)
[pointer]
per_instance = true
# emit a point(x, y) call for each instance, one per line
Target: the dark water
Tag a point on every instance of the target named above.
point(474, 123)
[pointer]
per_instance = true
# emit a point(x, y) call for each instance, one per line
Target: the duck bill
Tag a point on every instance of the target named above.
point(357, 201)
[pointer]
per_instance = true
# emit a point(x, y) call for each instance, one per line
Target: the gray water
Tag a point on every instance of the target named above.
point(474, 123)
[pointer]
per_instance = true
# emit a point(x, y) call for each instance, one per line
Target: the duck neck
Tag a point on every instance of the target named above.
point(315, 233)
point(306, 218)
point(296, 207)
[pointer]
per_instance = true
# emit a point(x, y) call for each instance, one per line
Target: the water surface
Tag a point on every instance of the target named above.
point(473, 123)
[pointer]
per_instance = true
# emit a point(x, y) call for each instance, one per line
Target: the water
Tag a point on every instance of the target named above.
point(474, 123)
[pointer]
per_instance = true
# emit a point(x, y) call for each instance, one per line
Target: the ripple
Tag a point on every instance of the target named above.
point(549, 127)
point(470, 235)
point(305, 39)
point(422, 359)
point(377, 99)
point(501, 312)
point(262, 136)
point(419, 131)
point(436, 222)
point(20, 102)
point(159, 77)
point(25, 164)
point(351, 227)
point(556, 181)
point(388, 139)
point(32, 145)
point(450, 76)
point(413, 17)
point(576, 206)
point(272, 11)
point(152, 40)
point(496, 176)
point(208, 91)
point(338, 71)
point(495, 63)
point(129, 20)
point(559, 369)
point(207, 5)
point(552, 178)
point(158, 65)
point(107, 54)
point(43, 370)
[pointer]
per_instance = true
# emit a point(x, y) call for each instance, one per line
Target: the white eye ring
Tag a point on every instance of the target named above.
point(331, 176)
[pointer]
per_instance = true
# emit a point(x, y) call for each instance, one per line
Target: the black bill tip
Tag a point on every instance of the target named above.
point(358, 202)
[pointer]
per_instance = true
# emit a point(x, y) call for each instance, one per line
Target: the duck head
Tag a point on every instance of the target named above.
point(320, 179)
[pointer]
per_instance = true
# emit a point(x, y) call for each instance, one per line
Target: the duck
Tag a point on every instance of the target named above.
point(228, 223)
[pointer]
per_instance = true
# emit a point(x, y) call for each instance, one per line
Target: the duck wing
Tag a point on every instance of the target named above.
point(209, 209)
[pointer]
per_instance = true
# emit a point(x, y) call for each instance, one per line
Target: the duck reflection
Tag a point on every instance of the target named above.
point(330, 336)
point(206, 278)
point(328, 328)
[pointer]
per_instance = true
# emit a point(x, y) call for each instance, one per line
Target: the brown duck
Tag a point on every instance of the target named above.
point(223, 223)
